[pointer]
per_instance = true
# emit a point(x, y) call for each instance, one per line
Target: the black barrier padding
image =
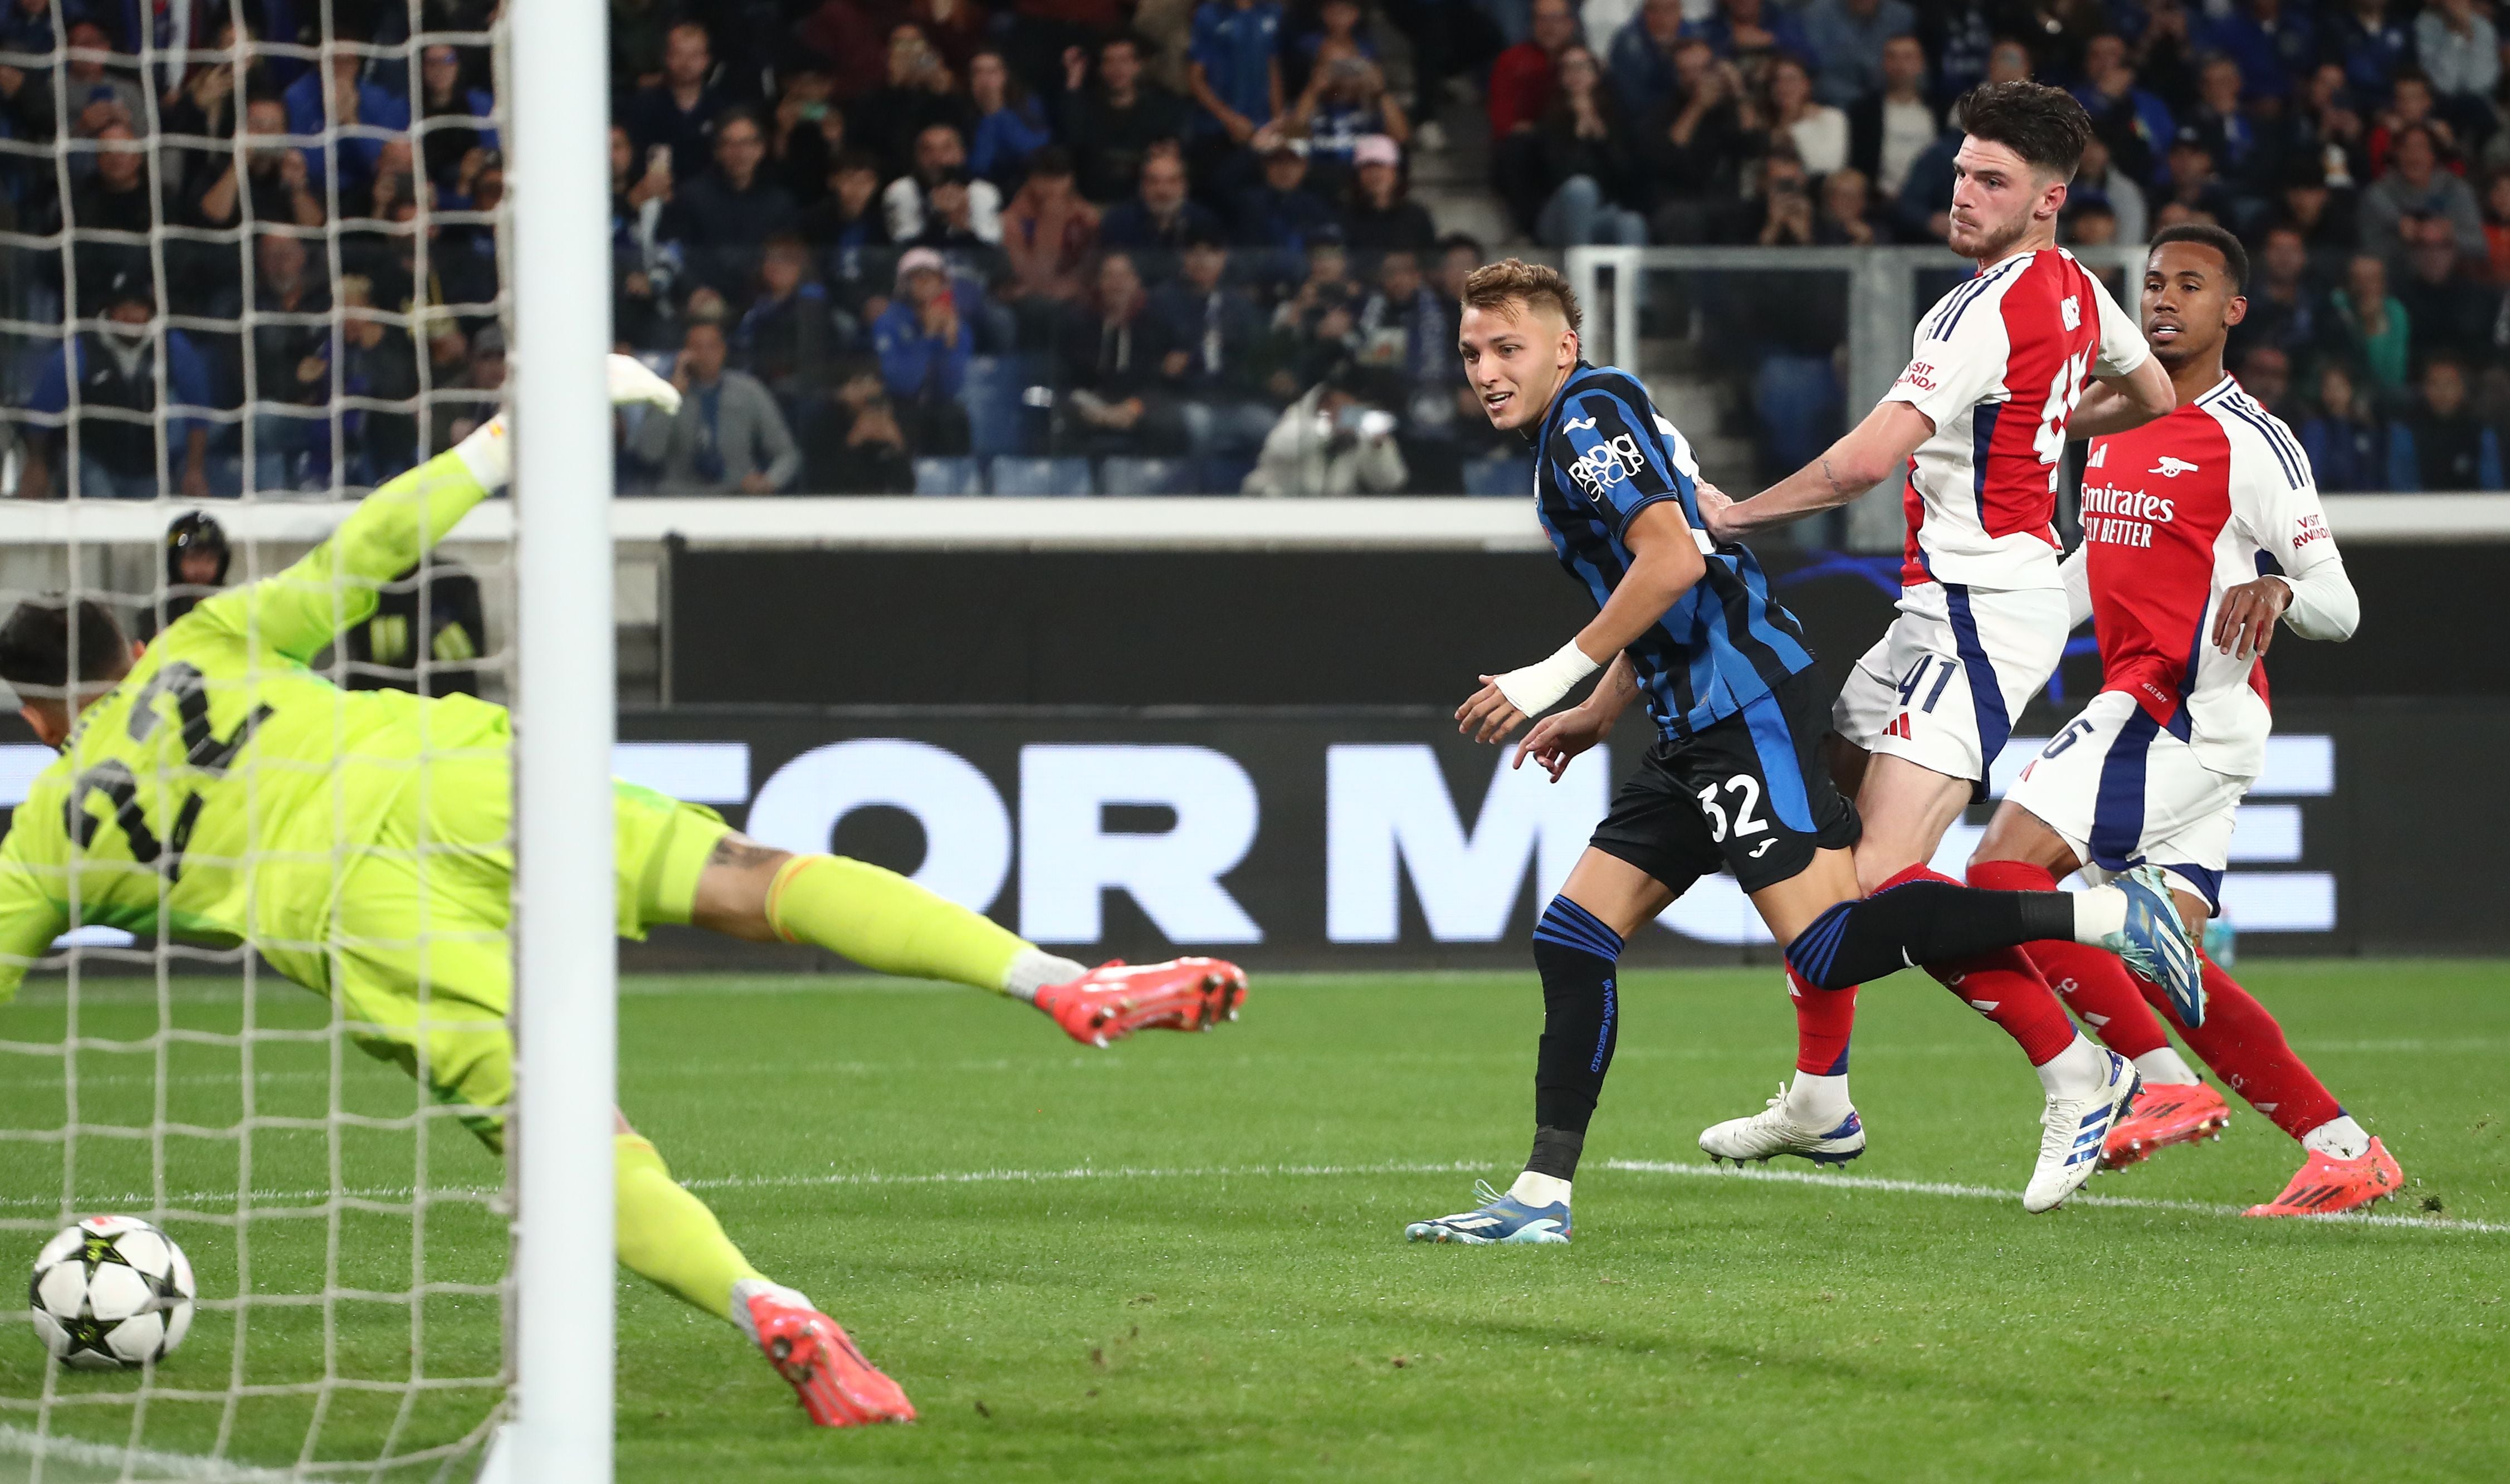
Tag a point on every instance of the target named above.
point(2407, 835)
point(1364, 628)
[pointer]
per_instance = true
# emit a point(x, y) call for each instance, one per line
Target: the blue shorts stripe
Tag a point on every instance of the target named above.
point(1781, 770)
point(2208, 882)
point(2118, 814)
point(1983, 430)
point(1986, 695)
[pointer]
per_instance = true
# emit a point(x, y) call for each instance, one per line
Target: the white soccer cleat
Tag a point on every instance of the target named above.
point(631, 382)
point(2073, 1132)
point(1769, 1132)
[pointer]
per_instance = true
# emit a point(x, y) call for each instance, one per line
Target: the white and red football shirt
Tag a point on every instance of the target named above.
point(1998, 364)
point(2175, 513)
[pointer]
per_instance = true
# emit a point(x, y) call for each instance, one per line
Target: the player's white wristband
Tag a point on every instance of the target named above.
point(1532, 689)
point(489, 454)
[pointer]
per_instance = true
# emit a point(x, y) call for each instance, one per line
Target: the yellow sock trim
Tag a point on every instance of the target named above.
point(887, 923)
point(669, 1235)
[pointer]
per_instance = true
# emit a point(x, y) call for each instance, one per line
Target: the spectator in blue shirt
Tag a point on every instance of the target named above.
point(2441, 445)
point(1281, 215)
point(1160, 218)
point(1214, 362)
point(1336, 32)
point(116, 371)
point(2274, 44)
point(2229, 137)
point(923, 348)
point(445, 96)
point(2373, 45)
point(1847, 38)
point(678, 114)
point(2131, 120)
point(1234, 65)
point(1010, 125)
point(1641, 61)
point(1751, 32)
point(357, 102)
point(2343, 446)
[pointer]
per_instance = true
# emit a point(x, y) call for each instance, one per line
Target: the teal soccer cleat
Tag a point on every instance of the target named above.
point(1501, 1218)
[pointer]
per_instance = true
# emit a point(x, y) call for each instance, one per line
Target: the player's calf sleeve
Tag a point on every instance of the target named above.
point(1578, 956)
point(2092, 982)
point(2245, 1046)
point(888, 924)
point(669, 1235)
point(1824, 1018)
point(1919, 917)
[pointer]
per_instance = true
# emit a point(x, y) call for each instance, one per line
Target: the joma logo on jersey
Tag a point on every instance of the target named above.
point(1607, 464)
point(2171, 469)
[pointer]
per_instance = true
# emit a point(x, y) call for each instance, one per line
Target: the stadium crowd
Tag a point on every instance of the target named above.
point(1057, 245)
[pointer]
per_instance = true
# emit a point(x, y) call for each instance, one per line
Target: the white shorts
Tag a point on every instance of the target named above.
point(1943, 684)
point(2123, 791)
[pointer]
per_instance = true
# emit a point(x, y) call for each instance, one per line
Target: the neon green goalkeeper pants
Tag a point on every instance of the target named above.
point(420, 955)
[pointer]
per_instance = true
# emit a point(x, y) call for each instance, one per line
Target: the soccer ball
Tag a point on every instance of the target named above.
point(111, 1293)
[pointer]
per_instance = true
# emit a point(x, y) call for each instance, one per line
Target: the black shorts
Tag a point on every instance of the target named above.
point(1751, 792)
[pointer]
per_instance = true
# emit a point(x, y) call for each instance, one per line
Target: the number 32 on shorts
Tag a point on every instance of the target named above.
point(1746, 791)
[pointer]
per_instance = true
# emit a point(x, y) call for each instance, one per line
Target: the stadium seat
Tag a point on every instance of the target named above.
point(1221, 475)
point(999, 422)
point(1144, 476)
point(948, 476)
point(1501, 475)
point(1040, 476)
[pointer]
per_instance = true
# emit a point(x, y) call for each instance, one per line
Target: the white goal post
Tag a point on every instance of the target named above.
point(564, 1294)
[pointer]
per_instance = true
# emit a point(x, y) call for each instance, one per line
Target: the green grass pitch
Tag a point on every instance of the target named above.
point(1181, 1258)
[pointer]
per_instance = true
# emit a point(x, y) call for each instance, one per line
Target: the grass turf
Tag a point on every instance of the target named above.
point(1242, 1306)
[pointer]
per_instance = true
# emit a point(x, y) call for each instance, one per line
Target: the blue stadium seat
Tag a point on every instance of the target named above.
point(1040, 476)
point(1144, 476)
point(948, 476)
point(1503, 475)
point(999, 422)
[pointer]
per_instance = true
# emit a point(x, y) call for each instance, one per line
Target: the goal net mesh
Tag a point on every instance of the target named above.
point(255, 275)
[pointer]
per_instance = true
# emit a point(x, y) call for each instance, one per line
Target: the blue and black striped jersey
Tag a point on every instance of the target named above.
point(1605, 454)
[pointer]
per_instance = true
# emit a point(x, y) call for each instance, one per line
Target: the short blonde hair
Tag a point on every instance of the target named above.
point(1496, 285)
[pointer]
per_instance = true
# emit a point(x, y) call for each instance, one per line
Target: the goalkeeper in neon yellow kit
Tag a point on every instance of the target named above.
point(214, 788)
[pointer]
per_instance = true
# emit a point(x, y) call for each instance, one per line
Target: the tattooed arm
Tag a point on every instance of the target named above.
point(1873, 451)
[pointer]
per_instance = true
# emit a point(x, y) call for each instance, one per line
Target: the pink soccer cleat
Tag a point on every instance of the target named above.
point(2165, 1114)
point(1113, 999)
point(2327, 1185)
point(837, 1387)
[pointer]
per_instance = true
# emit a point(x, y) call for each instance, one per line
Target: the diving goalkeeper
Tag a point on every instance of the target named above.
point(216, 788)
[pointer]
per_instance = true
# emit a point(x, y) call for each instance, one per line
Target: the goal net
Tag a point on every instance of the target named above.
point(253, 276)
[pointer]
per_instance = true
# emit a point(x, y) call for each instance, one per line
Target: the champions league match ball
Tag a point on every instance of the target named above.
point(111, 1293)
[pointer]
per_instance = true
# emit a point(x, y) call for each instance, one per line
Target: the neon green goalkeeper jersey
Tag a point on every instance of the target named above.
point(220, 788)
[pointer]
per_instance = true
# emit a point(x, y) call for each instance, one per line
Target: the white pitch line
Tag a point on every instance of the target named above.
point(1848, 1183)
point(1851, 1183)
point(129, 1463)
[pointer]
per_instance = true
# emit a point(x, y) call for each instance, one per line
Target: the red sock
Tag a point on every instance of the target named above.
point(2003, 987)
point(2245, 1048)
point(2092, 982)
point(1823, 1019)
